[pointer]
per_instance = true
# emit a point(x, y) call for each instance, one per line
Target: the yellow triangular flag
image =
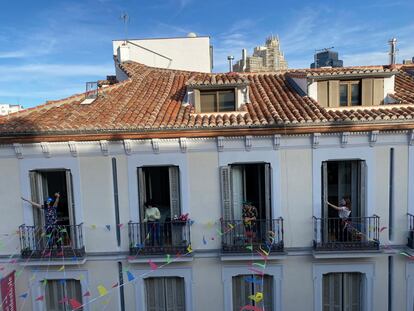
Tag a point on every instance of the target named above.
point(256, 298)
point(102, 290)
point(189, 249)
point(61, 268)
point(93, 226)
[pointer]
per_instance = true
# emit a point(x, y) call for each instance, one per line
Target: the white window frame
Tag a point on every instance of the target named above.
point(31, 164)
point(150, 159)
point(367, 270)
point(272, 157)
point(142, 274)
point(227, 273)
point(37, 289)
point(337, 154)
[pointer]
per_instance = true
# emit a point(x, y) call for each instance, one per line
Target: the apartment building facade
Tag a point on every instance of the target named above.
point(204, 144)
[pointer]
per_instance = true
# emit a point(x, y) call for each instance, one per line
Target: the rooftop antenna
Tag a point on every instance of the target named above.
point(125, 19)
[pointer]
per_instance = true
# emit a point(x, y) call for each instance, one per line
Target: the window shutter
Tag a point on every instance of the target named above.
point(241, 290)
point(155, 294)
point(267, 292)
point(70, 199)
point(367, 91)
point(37, 196)
point(237, 191)
point(324, 206)
point(362, 181)
point(141, 193)
point(197, 100)
point(174, 191)
point(333, 93)
point(175, 294)
point(73, 290)
point(332, 292)
point(378, 94)
point(352, 291)
point(226, 198)
point(267, 191)
point(322, 93)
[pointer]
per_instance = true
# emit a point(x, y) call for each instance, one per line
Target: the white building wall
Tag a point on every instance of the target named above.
point(187, 53)
point(295, 197)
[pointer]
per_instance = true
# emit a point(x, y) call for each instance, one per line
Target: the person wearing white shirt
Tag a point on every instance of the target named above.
point(344, 210)
point(152, 218)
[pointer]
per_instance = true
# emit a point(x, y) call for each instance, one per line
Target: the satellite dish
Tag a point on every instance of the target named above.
point(191, 35)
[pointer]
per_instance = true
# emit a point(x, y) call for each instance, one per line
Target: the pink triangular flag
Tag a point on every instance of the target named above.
point(75, 304)
point(40, 298)
point(87, 294)
point(153, 265)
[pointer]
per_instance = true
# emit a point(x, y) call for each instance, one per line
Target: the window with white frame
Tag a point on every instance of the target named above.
point(243, 287)
point(165, 294)
point(342, 291)
point(58, 293)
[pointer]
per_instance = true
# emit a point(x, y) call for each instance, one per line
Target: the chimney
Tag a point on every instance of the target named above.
point(244, 60)
point(123, 53)
point(393, 51)
point(230, 59)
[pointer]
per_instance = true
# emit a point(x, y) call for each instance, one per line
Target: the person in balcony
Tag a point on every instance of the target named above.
point(152, 219)
point(345, 230)
point(249, 215)
point(50, 211)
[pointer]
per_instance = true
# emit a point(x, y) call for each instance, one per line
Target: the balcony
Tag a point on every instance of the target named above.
point(159, 238)
point(57, 241)
point(410, 230)
point(352, 234)
point(241, 237)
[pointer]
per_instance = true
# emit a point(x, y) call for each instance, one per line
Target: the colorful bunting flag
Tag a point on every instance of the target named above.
point(61, 268)
point(87, 294)
point(249, 247)
point(108, 227)
point(130, 276)
point(257, 297)
point(189, 249)
point(40, 298)
point(75, 304)
point(102, 290)
point(24, 296)
point(152, 265)
point(169, 260)
point(204, 240)
point(115, 285)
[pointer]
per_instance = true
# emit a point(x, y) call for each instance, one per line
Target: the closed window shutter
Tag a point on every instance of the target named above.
point(241, 291)
point(141, 192)
point(333, 93)
point(378, 94)
point(332, 288)
point(36, 189)
point(53, 293)
point(155, 294)
point(322, 230)
point(267, 291)
point(175, 294)
point(197, 100)
point(74, 291)
point(226, 198)
point(352, 291)
point(367, 92)
point(322, 93)
point(174, 191)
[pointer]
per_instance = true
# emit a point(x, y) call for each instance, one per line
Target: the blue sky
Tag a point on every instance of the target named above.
point(49, 49)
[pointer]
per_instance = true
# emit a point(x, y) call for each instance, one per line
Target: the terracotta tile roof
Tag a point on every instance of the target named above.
point(153, 99)
point(204, 79)
point(354, 70)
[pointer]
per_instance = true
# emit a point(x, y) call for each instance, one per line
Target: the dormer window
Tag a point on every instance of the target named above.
point(217, 101)
point(349, 93)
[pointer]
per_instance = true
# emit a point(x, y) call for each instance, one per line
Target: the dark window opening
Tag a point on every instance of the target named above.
point(58, 293)
point(217, 101)
point(242, 288)
point(165, 294)
point(349, 93)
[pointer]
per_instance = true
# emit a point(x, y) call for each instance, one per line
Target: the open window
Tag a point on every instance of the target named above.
point(44, 184)
point(344, 179)
point(245, 182)
point(161, 185)
point(342, 291)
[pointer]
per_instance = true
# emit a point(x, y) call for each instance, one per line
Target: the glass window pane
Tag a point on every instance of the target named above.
point(226, 101)
point(208, 102)
point(355, 98)
point(343, 95)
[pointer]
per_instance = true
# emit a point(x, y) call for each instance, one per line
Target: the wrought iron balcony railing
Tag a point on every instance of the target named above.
point(410, 230)
point(158, 238)
point(354, 233)
point(56, 241)
point(239, 236)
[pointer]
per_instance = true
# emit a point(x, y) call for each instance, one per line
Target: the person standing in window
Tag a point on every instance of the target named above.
point(152, 218)
point(50, 210)
point(344, 226)
point(249, 214)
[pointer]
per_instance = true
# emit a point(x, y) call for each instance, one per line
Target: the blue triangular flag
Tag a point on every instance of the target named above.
point(131, 277)
point(24, 296)
point(108, 227)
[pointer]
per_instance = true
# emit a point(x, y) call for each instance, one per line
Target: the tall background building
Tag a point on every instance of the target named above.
point(265, 58)
point(326, 58)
